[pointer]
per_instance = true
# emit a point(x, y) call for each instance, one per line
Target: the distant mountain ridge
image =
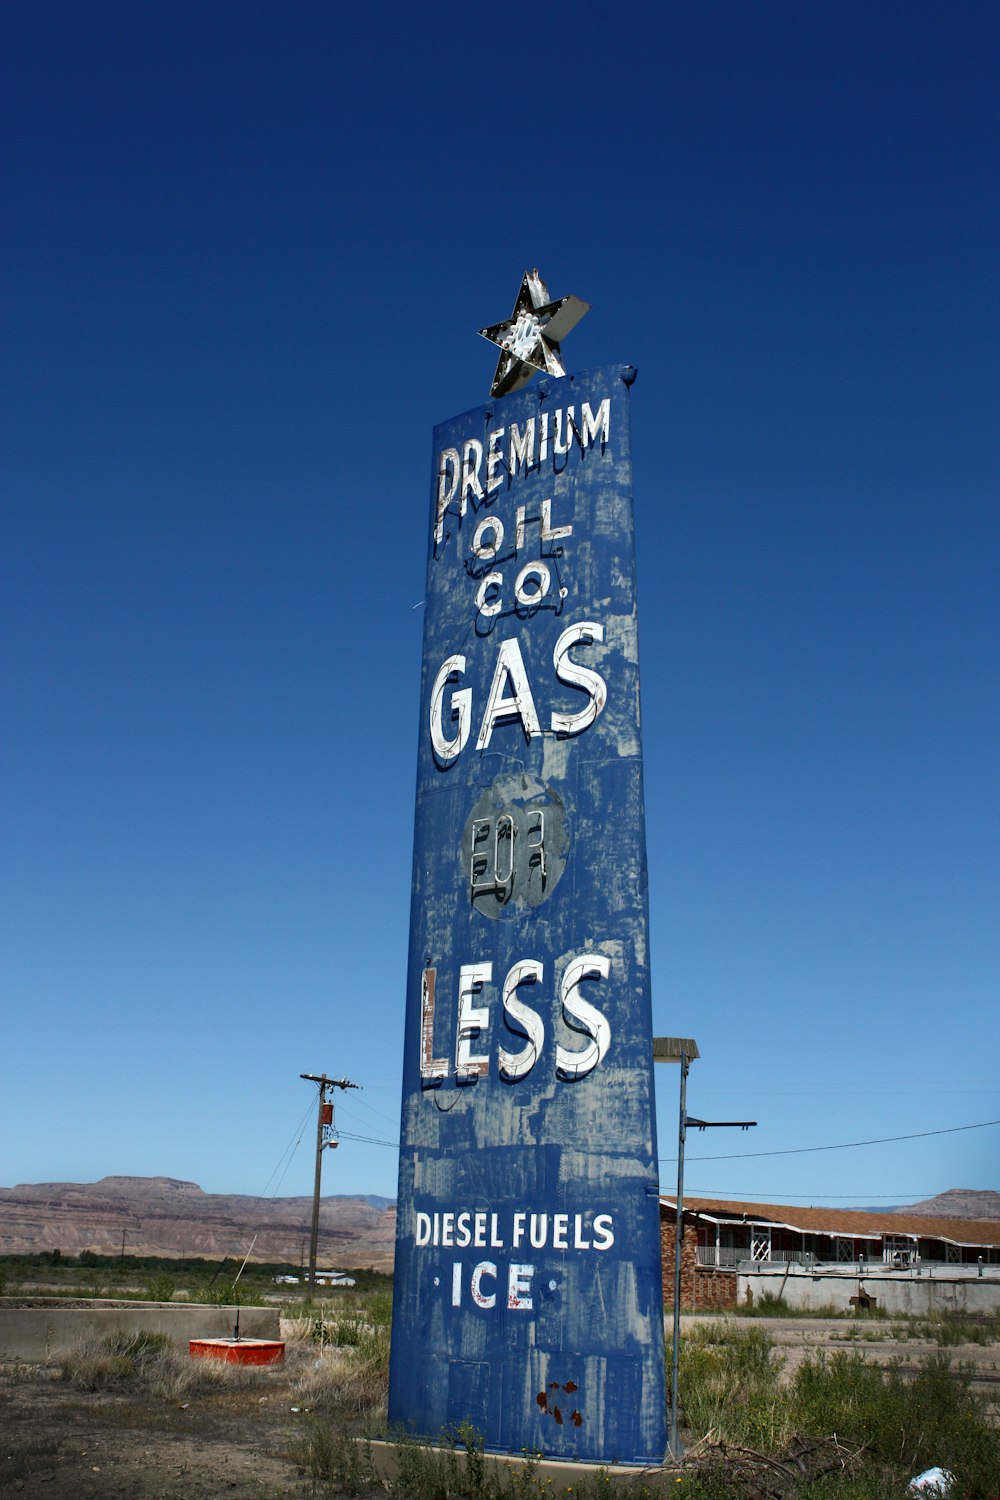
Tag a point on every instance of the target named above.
point(170, 1217)
point(958, 1203)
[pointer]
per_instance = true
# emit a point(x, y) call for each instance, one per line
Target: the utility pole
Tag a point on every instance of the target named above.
point(127, 1229)
point(326, 1135)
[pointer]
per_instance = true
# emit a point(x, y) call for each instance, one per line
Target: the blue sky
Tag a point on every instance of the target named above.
point(246, 253)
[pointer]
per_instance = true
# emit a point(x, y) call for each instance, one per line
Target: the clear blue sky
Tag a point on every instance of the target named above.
point(246, 251)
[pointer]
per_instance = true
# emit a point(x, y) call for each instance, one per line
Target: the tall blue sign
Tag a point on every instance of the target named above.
point(528, 1295)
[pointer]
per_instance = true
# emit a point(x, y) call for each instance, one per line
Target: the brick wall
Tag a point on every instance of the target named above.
point(701, 1286)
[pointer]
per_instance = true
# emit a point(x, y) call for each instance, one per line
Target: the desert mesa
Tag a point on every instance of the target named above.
point(162, 1216)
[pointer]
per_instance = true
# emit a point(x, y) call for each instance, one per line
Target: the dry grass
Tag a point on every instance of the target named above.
point(113, 1361)
point(342, 1368)
point(345, 1382)
point(152, 1364)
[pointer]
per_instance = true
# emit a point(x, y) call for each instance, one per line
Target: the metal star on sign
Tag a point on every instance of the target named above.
point(529, 339)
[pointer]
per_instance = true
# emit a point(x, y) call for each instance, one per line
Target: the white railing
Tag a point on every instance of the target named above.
point(708, 1255)
point(727, 1257)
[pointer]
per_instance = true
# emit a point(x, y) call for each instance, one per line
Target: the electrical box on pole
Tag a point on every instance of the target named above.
point(326, 1135)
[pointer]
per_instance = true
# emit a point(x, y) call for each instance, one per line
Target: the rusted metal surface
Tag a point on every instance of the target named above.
point(528, 1249)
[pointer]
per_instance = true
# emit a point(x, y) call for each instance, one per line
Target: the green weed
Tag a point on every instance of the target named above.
point(773, 1305)
point(161, 1287)
point(730, 1387)
point(229, 1294)
point(337, 1462)
point(769, 1305)
point(948, 1329)
point(728, 1381)
point(907, 1423)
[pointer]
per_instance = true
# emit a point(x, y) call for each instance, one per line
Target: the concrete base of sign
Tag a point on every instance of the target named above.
point(562, 1473)
point(239, 1351)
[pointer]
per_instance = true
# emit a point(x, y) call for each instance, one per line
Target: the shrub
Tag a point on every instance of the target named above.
point(769, 1305)
point(728, 1381)
point(118, 1359)
point(229, 1294)
point(951, 1328)
point(931, 1418)
point(332, 1458)
point(161, 1287)
point(730, 1388)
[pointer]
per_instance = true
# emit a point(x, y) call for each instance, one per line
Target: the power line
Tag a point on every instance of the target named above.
point(369, 1140)
point(779, 1195)
point(389, 1119)
point(883, 1140)
point(286, 1157)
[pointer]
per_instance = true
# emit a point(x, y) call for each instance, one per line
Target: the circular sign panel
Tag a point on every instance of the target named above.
point(514, 846)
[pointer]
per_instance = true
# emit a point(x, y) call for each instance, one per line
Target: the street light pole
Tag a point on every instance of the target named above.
point(675, 1439)
point(325, 1136)
point(682, 1049)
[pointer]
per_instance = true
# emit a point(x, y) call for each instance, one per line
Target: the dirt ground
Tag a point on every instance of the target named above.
point(66, 1444)
point(60, 1443)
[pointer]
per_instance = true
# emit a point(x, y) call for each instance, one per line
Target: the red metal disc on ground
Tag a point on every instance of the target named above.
point(240, 1351)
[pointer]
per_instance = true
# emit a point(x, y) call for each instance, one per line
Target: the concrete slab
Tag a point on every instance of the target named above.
point(561, 1474)
point(41, 1334)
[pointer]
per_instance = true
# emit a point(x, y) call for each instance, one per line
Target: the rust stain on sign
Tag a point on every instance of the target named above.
point(555, 1412)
